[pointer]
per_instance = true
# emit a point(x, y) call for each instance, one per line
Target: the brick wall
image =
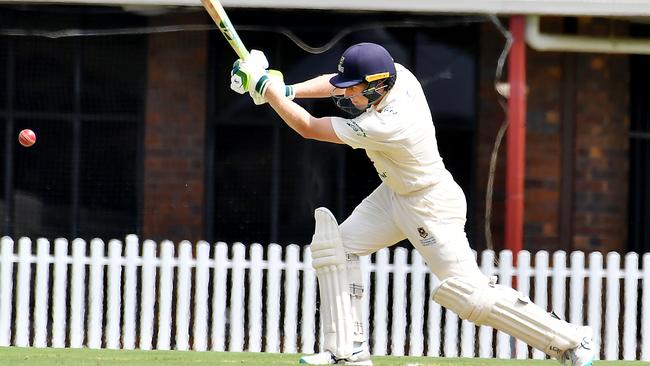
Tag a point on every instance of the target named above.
point(491, 116)
point(600, 158)
point(602, 144)
point(174, 132)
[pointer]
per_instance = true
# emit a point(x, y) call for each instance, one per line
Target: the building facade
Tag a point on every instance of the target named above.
point(138, 131)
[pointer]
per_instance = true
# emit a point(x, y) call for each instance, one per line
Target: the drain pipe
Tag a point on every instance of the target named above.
point(516, 138)
point(571, 43)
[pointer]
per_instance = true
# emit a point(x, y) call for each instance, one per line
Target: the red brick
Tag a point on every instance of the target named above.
point(601, 142)
point(174, 137)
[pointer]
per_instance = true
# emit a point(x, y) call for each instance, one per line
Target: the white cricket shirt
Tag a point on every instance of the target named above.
point(398, 136)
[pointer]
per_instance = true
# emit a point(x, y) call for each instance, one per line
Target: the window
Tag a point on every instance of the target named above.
point(84, 98)
point(639, 195)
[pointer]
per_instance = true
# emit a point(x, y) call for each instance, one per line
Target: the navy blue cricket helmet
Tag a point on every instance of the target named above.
point(364, 62)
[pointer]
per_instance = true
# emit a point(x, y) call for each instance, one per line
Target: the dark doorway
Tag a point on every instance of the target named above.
point(639, 196)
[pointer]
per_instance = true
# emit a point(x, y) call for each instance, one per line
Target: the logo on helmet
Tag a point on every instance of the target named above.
point(375, 77)
point(341, 68)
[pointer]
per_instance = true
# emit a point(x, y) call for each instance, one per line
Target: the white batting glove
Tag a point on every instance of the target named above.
point(247, 74)
point(240, 75)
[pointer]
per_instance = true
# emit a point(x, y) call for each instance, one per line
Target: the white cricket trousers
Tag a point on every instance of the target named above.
point(433, 220)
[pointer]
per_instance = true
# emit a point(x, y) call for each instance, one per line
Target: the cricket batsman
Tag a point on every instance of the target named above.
point(417, 200)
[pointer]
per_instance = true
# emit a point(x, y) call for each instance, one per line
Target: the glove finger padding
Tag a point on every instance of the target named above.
point(238, 78)
point(250, 75)
point(257, 58)
point(245, 74)
point(240, 74)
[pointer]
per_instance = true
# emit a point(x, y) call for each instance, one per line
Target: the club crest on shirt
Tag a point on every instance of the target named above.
point(355, 127)
point(423, 233)
point(426, 239)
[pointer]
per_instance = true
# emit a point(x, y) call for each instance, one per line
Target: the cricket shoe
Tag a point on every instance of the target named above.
point(584, 353)
point(360, 356)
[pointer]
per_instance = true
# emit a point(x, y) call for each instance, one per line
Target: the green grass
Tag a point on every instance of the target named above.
point(15, 356)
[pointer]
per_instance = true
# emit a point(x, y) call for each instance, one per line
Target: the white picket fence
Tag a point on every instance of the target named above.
point(264, 298)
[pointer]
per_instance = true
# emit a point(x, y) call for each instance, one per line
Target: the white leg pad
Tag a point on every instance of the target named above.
point(330, 262)
point(483, 302)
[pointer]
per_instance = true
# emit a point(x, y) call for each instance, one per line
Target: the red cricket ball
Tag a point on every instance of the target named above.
point(27, 137)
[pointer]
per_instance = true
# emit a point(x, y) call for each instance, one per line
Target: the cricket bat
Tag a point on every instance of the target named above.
point(218, 14)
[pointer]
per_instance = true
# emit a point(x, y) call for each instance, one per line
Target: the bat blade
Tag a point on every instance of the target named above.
point(219, 16)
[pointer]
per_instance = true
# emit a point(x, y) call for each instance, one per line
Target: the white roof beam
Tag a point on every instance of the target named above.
point(605, 8)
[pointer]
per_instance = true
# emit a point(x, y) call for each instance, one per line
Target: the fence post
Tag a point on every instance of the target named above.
point(291, 298)
point(558, 294)
point(201, 296)
point(398, 317)
point(595, 297)
point(308, 323)
point(130, 289)
point(59, 294)
point(418, 301)
point(166, 286)
point(485, 332)
point(381, 300)
point(219, 295)
point(114, 294)
point(451, 334)
point(541, 289)
point(558, 286)
point(468, 333)
point(523, 286)
point(96, 294)
point(612, 308)
point(274, 274)
point(237, 290)
point(147, 294)
point(183, 293)
point(42, 294)
point(576, 296)
point(255, 309)
point(23, 290)
point(630, 316)
point(506, 272)
point(645, 310)
point(78, 293)
point(6, 287)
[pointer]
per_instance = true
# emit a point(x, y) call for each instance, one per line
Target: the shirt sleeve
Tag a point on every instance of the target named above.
point(370, 131)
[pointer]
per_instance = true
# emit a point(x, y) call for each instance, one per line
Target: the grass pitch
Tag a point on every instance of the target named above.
point(15, 356)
